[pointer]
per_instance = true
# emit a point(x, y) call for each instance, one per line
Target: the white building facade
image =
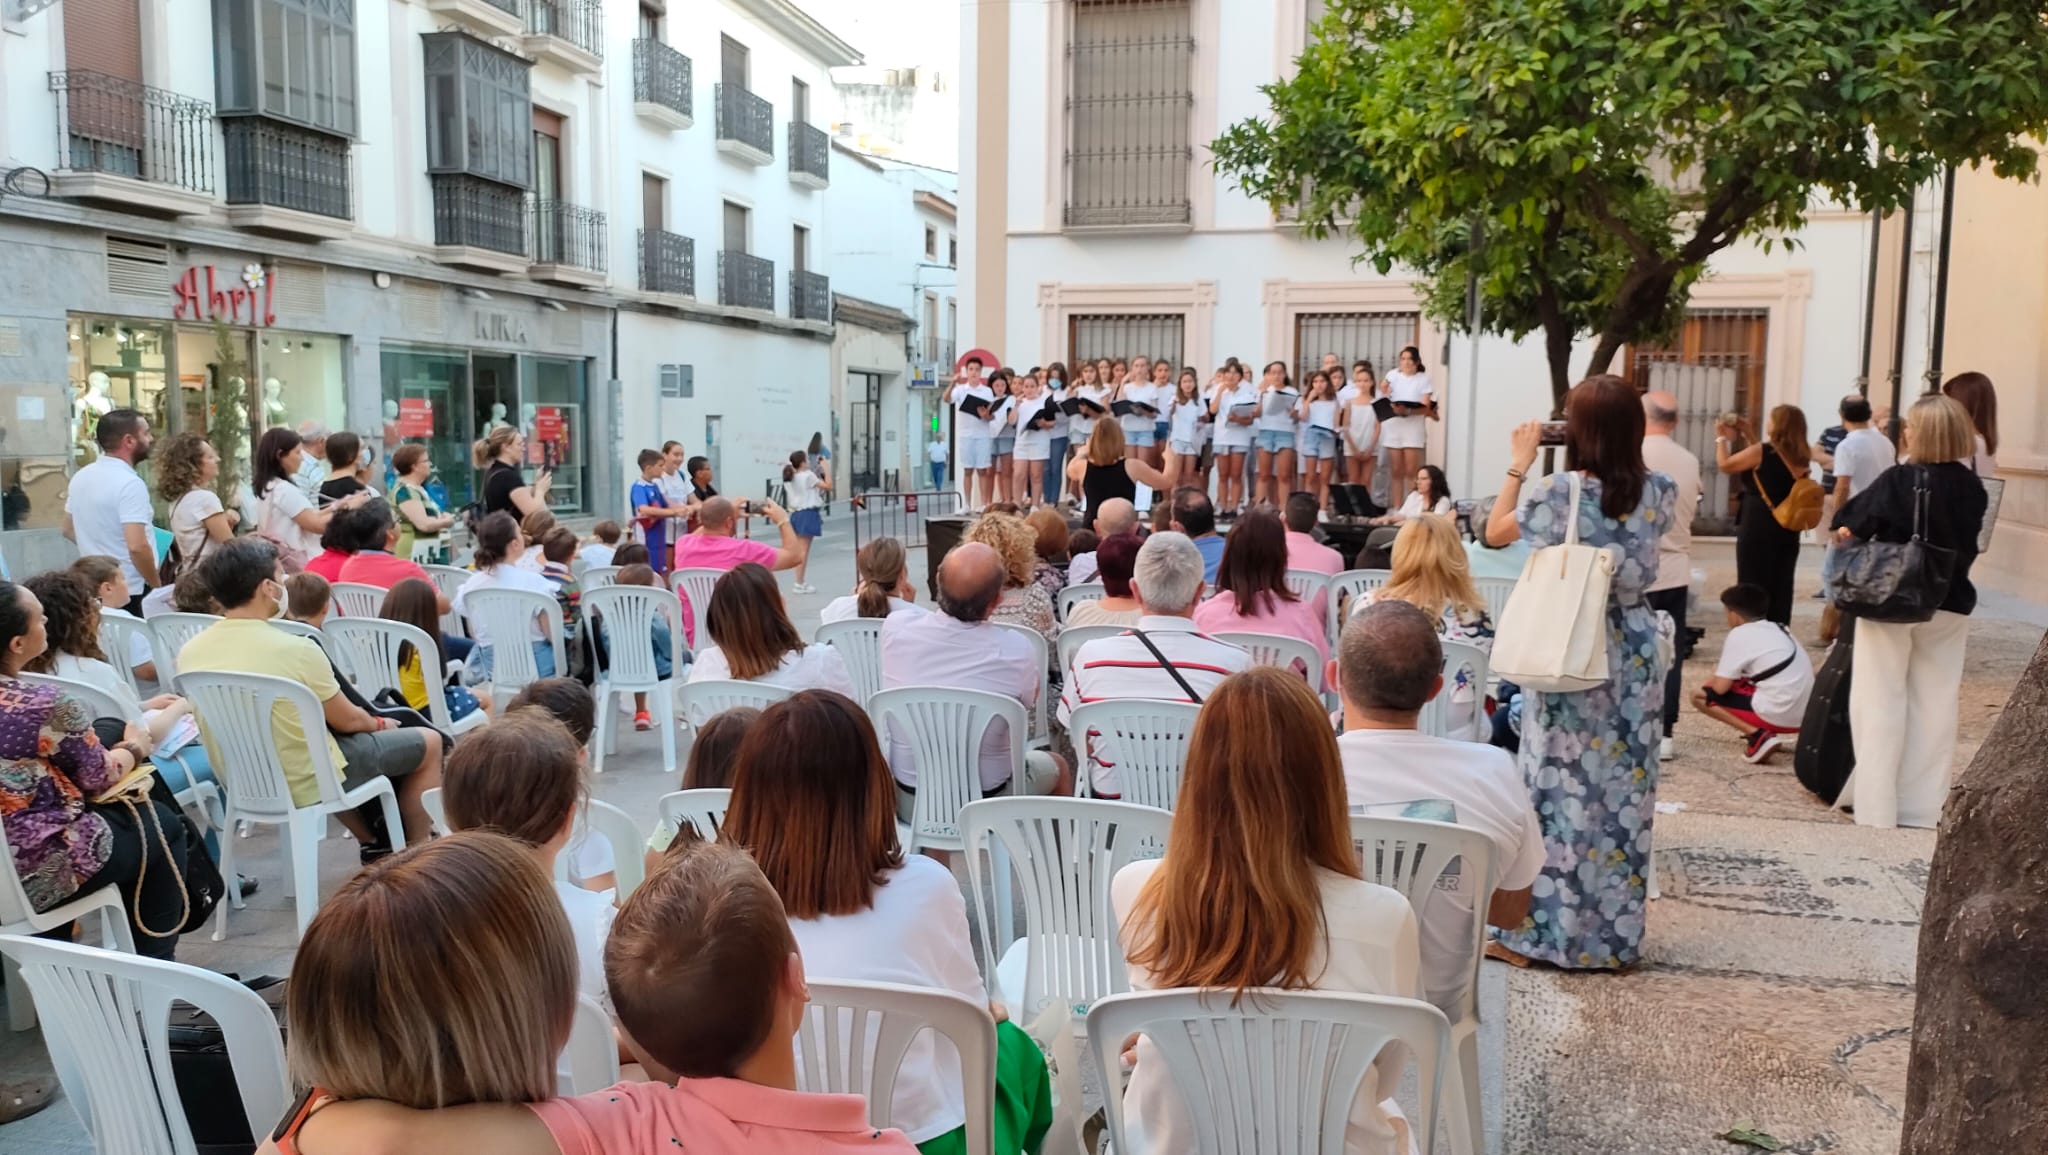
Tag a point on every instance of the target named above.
point(1094, 225)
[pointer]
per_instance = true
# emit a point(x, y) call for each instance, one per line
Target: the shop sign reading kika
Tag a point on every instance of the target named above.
point(202, 295)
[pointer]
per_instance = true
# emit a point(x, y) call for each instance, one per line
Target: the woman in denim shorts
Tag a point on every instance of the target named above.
point(1276, 436)
point(1318, 411)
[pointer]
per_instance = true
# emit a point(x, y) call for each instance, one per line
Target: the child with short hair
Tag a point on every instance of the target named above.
point(571, 703)
point(307, 599)
point(1764, 677)
point(601, 544)
point(650, 507)
point(110, 585)
point(556, 548)
point(190, 594)
point(639, 574)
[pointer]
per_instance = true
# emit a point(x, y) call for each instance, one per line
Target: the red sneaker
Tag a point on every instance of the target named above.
point(643, 721)
point(1761, 743)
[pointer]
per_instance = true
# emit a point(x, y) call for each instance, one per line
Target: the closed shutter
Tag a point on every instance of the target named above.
point(104, 36)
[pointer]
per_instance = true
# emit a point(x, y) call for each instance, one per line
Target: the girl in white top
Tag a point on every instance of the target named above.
point(1260, 887)
point(1033, 446)
point(1406, 435)
point(814, 803)
point(804, 519)
point(1361, 425)
point(976, 449)
point(185, 473)
point(1091, 388)
point(1276, 433)
point(1002, 431)
point(1233, 434)
point(1186, 415)
point(499, 547)
point(1318, 411)
point(882, 587)
point(754, 641)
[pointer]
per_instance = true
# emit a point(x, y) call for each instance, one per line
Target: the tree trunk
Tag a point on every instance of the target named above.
point(1980, 1029)
point(1557, 347)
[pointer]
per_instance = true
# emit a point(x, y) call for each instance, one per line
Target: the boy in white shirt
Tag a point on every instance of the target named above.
point(1764, 678)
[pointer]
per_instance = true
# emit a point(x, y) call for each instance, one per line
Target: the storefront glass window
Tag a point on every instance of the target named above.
point(302, 379)
point(117, 364)
point(553, 421)
point(421, 383)
point(214, 398)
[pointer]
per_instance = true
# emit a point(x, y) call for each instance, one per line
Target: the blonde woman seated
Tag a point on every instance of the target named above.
point(1260, 887)
point(753, 640)
point(1025, 602)
point(1115, 558)
point(882, 586)
point(1433, 573)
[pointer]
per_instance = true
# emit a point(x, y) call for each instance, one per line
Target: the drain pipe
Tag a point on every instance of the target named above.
point(1870, 303)
point(1899, 322)
point(1940, 328)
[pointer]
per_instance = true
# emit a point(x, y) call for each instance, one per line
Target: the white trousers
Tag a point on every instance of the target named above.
point(1903, 706)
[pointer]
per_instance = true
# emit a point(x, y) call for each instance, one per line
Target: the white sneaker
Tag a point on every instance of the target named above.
point(1664, 750)
point(801, 588)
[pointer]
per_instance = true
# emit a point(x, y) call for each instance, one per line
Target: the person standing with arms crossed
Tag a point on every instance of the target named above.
point(1669, 589)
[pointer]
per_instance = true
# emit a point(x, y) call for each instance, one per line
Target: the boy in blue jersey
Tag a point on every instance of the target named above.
point(651, 509)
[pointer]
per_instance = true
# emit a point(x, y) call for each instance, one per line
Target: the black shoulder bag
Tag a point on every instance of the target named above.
point(1891, 581)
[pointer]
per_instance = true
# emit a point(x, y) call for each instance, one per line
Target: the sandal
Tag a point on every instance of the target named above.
point(21, 1098)
point(1513, 958)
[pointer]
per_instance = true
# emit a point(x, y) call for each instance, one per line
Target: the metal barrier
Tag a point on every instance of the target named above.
point(901, 515)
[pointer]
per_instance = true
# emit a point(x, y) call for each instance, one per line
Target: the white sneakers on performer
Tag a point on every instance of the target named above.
point(801, 588)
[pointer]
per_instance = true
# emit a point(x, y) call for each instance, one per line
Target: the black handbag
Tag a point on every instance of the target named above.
point(1888, 581)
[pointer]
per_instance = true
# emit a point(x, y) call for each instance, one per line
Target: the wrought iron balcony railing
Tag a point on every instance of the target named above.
point(107, 124)
point(269, 162)
point(661, 75)
point(476, 213)
point(568, 235)
point(580, 22)
point(668, 263)
point(810, 296)
point(745, 118)
point(810, 151)
point(746, 281)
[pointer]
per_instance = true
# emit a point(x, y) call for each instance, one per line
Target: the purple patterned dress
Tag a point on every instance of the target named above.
point(49, 761)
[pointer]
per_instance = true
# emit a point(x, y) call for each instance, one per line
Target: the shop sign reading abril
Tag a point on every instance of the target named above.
point(202, 295)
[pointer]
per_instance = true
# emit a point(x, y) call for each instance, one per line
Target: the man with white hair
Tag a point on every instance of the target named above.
point(1165, 658)
point(1674, 550)
point(313, 469)
point(1116, 516)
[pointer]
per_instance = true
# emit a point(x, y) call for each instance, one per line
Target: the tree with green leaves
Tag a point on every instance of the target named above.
point(1601, 151)
point(228, 424)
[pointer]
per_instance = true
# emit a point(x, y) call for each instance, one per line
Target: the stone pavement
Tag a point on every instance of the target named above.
point(1776, 988)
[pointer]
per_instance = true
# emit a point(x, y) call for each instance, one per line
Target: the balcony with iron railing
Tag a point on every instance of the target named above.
point(567, 32)
point(746, 281)
point(479, 223)
point(810, 296)
point(131, 145)
point(286, 180)
point(746, 125)
point(487, 18)
point(661, 85)
point(668, 263)
point(939, 351)
point(568, 244)
point(810, 155)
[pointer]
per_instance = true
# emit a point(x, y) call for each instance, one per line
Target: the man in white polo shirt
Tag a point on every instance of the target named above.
point(1389, 665)
point(1180, 663)
point(107, 510)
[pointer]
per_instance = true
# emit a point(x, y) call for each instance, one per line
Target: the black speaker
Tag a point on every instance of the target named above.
point(941, 534)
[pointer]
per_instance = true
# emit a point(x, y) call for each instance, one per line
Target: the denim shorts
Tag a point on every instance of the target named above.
point(1184, 448)
point(1321, 443)
point(1276, 440)
point(1004, 446)
point(1142, 440)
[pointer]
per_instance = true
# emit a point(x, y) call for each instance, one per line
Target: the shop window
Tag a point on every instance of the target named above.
point(552, 417)
point(479, 110)
point(117, 364)
point(431, 386)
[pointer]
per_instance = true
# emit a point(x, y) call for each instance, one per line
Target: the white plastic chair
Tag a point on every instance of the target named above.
point(943, 728)
point(367, 650)
point(1041, 711)
point(17, 916)
point(117, 635)
point(598, 577)
point(1076, 594)
point(1144, 740)
point(630, 614)
point(236, 712)
point(357, 600)
point(629, 842)
point(507, 615)
point(1072, 638)
point(1064, 852)
point(1411, 856)
point(1278, 1071)
point(1306, 584)
point(1279, 651)
point(859, 642)
point(1344, 591)
point(590, 1061)
point(854, 1036)
point(105, 1016)
point(695, 584)
point(437, 815)
point(1436, 717)
point(704, 809)
point(699, 702)
point(300, 630)
point(1496, 591)
point(447, 581)
point(172, 631)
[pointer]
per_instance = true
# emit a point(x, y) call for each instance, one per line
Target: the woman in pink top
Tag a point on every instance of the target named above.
point(1251, 587)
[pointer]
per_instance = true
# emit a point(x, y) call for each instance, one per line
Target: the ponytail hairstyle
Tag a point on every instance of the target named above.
point(494, 539)
point(415, 603)
point(797, 461)
point(486, 451)
point(880, 564)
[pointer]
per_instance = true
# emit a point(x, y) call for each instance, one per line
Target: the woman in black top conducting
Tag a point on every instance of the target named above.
point(1766, 553)
point(1909, 675)
point(504, 488)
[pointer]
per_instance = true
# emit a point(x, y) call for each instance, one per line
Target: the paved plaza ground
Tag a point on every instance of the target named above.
point(1776, 987)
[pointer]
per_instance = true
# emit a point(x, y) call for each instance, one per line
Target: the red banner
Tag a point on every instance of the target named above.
point(547, 424)
point(415, 417)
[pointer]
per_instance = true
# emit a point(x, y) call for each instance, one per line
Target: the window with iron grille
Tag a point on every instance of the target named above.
point(1353, 337)
point(294, 60)
point(1127, 335)
point(1130, 89)
point(1715, 366)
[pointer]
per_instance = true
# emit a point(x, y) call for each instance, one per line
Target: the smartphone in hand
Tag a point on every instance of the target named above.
point(1553, 433)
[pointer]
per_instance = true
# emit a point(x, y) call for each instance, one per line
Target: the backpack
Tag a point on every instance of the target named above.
point(1801, 509)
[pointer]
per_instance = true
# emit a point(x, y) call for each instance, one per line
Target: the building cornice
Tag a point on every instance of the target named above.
point(926, 199)
point(802, 31)
point(870, 315)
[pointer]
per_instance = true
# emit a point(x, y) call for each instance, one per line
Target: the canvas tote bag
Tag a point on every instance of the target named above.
point(1553, 634)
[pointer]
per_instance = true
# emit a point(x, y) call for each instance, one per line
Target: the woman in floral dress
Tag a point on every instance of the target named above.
point(1590, 758)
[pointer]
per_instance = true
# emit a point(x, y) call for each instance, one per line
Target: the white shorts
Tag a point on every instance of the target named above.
point(976, 452)
point(1233, 445)
point(1037, 447)
point(1404, 432)
point(1184, 448)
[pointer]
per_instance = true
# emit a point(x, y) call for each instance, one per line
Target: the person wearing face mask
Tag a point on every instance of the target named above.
point(245, 578)
point(1056, 457)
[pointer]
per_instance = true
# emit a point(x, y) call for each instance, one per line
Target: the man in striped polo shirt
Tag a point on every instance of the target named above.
point(1180, 663)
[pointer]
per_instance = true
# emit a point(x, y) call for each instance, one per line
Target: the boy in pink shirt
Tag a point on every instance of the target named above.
point(708, 986)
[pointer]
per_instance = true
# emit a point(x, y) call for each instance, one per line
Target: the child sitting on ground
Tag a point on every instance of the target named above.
point(307, 598)
point(1764, 677)
point(600, 545)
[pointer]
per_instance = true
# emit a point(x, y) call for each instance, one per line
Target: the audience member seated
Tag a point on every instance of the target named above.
point(416, 603)
point(1304, 552)
point(374, 534)
point(712, 545)
point(813, 803)
point(713, 758)
point(881, 587)
point(1049, 543)
point(523, 777)
point(638, 574)
point(498, 551)
point(704, 977)
point(1251, 587)
point(109, 584)
point(753, 640)
point(1260, 887)
point(189, 595)
point(1433, 573)
point(338, 542)
point(603, 542)
point(571, 703)
point(246, 578)
point(1024, 601)
point(1764, 678)
point(1165, 658)
point(1389, 665)
point(1117, 606)
point(51, 762)
point(959, 648)
point(308, 599)
point(556, 551)
point(533, 529)
point(1192, 513)
point(1116, 516)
